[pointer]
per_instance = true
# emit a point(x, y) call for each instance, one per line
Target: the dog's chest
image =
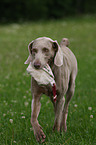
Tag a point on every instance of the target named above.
point(47, 90)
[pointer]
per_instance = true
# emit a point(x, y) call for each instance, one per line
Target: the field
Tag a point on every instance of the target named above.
point(15, 93)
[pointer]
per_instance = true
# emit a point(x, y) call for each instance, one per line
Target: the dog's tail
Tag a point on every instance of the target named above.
point(64, 42)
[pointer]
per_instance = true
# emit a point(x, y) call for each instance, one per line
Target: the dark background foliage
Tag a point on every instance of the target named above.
point(13, 10)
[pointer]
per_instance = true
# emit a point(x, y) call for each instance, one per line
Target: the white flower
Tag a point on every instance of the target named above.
point(27, 92)
point(14, 141)
point(75, 105)
point(11, 120)
point(22, 113)
point(26, 104)
point(31, 129)
point(23, 117)
point(89, 108)
point(14, 101)
point(6, 104)
point(4, 114)
point(91, 116)
point(24, 97)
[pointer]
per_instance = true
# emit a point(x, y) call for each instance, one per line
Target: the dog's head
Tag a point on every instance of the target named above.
point(42, 51)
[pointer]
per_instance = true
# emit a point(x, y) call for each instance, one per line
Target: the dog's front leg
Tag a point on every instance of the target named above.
point(58, 112)
point(40, 136)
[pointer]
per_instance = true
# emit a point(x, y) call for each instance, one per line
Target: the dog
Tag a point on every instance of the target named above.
point(63, 63)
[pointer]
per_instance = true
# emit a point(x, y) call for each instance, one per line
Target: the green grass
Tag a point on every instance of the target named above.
point(15, 84)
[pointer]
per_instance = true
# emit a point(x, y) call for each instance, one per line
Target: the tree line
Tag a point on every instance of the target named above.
point(44, 9)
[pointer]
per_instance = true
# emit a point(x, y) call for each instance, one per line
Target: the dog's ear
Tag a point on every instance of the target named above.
point(55, 45)
point(58, 60)
point(30, 47)
point(29, 59)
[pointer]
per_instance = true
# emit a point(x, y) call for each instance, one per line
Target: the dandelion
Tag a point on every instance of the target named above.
point(11, 120)
point(23, 117)
point(75, 105)
point(89, 108)
point(26, 104)
point(91, 116)
point(14, 141)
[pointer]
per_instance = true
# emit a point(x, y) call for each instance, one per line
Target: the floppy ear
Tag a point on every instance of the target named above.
point(58, 60)
point(29, 59)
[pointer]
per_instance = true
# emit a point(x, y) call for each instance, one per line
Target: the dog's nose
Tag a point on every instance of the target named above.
point(37, 65)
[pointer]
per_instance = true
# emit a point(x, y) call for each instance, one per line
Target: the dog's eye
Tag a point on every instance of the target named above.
point(45, 50)
point(34, 50)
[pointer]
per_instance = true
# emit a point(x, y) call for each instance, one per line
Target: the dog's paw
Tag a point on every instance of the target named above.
point(63, 127)
point(56, 127)
point(39, 134)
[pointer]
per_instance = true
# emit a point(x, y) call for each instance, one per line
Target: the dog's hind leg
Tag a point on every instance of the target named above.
point(69, 95)
point(58, 107)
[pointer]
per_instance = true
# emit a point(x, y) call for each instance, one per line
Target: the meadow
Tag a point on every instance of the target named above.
point(15, 93)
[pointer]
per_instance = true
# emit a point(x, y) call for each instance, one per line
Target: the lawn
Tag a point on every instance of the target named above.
point(15, 93)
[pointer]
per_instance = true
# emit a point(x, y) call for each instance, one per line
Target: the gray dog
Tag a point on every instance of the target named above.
point(63, 64)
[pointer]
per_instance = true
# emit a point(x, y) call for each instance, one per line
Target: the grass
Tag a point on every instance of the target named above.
point(15, 93)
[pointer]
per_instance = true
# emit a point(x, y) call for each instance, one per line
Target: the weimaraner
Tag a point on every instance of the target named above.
point(63, 64)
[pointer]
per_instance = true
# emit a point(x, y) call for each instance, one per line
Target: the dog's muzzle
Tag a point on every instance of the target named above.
point(37, 65)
